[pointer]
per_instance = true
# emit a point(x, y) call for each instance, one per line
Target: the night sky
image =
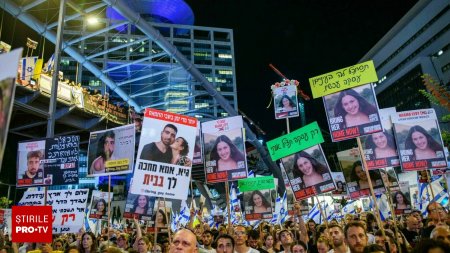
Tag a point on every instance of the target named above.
point(302, 38)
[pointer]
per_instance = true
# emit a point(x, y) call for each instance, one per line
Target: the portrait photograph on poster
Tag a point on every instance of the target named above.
point(258, 205)
point(285, 102)
point(139, 207)
point(380, 149)
point(419, 141)
point(166, 148)
point(99, 205)
point(49, 161)
point(389, 178)
point(401, 199)
point(225, 156)
point(198, 152)
point(356, 177)
point(308, 172)
point(352, 113)
point(111, 152)
point(341, 185)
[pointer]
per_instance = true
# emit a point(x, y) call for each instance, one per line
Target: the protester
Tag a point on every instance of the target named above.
point(355, 236)
point(225, 244)
point(241, 237)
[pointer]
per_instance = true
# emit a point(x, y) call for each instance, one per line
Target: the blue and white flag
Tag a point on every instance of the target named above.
point(173, 223)
point(27, 65)
point(349, 208)
point(284, 209)
point(49, 65)
point(314, 214)
point(185, 214)
point(276, 212)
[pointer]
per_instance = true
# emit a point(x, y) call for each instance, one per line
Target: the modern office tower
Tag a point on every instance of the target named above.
point(418, 44)
point(142, 69)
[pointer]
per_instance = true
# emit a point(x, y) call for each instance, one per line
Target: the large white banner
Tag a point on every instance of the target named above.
point(68, 207)
point(164, 161)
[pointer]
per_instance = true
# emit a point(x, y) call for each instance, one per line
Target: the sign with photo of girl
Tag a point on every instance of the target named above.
point(352, 113)
point(285, 102)
point(355, 176)
point(380, 149)
point(258, 205)
point(224, 150)
point(401, 198)
point(139, 207)
point(341, 185)
point(308, 172)
point(419, 140)
point(99, 205)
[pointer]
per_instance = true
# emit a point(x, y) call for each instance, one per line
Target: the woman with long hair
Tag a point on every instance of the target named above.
point(88, 243)
point(259, 203)
point(286, 104)
point(160, 219)
point(140, 204)
point(268, 243)
point(359, 175)
point(308, 169)
point(226, 154)
point(100, 208)
point(382, 145)
point(421, 143)
point(401, 201)
point(180, 149)
point(353, 108)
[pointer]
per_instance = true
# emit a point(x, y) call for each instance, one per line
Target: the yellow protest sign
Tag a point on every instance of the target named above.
point(343, 79)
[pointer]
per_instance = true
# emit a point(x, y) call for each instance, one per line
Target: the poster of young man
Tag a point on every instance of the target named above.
point(163, 166)
point(341, 186)
point(308, 172)
point(419, 140)
point(224, 150)
point(356, 177)
point(285, 102)
point(380, 149)
point(139, 207)
point(111, 151)
point(352, 113)
point(402, 198)
point(258, 205)
point(50, 161)
point(99, 205)
point(8, 73)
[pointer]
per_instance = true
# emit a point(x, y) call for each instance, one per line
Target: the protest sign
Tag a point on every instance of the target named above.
point(419, 140)
point(342, 79)
point(355, 176)
point(254, 159)
point(285, 102)
point(341, 185)
point(295, 141)
point(308, 172)
point(111, 152)
point(401, 199)
point(68, 207)
point(380, 149)
point(8, 74)
point(5, 220)
point(352, 113)
point(224, 149)
point(99, 205)
point(256, 183)
point(163, 166)
point(161, 217)
point(50, 161)
point(139, 207)
point(258, 205)
point(198, 152)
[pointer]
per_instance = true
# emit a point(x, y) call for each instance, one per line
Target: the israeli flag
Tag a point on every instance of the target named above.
point(49, 64)
point(173, 223)
point(284, 209)
point(383, 206)
point(314, 214)
point(276, 213)
point(184, 217)
point(27, 67)
point(349, 208)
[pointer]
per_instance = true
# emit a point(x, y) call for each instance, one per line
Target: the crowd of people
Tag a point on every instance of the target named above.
point(356, 233)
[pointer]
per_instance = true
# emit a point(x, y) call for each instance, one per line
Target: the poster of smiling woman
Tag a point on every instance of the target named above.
point(380, 149)
point(419, 140)
point(285, 102)
point(308, 172)
point(352, 113)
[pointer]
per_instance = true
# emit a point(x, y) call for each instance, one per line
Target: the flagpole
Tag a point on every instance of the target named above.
point(391, 207)
point(156, 227)
point(321, 212)
point(169, 220)
point(227, 193)
point(366, 170)
point(109, 200)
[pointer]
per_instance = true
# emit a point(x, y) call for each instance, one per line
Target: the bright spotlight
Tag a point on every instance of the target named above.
point(92, 20)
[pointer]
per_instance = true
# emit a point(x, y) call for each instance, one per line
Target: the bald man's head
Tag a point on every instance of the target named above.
point(412, 223)
point(184, 241)
point(441, 233)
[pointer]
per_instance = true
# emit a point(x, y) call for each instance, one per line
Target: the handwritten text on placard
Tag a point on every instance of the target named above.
point(298, 140)
point(256, 183)
point(342, 79)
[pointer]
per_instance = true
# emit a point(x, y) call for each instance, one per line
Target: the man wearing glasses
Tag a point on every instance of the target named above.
point(436, 215)
point(240, 236)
